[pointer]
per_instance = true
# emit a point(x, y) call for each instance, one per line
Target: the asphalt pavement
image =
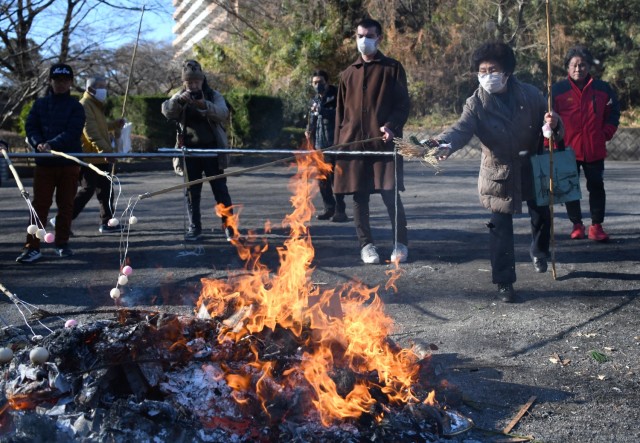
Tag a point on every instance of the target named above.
point(500, 355)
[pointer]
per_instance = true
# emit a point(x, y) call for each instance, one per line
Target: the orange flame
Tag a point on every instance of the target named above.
point(349, 328)
point(394, 274)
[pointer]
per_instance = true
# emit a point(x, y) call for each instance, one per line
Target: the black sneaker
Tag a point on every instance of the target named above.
point(230, 233)
point(63, 251)
point(326, 214)
point(194, 234)
point(507, 293)
point(29, 256)
point(540, 265)
point(106, 229)
point(339, 217)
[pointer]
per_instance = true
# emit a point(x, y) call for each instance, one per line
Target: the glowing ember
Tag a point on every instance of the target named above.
point(344, 330)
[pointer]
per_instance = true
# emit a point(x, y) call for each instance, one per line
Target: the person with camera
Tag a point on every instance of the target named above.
point(200, 112)
point(319, 133)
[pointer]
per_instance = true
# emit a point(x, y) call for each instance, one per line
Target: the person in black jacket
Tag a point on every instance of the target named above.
point(320, 131)
point(55, 122)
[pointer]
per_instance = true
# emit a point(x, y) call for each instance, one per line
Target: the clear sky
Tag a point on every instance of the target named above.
point(101, 19)
point(157, 23)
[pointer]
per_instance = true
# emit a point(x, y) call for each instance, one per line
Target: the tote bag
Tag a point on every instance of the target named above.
point(123, 143)
point(566, 181)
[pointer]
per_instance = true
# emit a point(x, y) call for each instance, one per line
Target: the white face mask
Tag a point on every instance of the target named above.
point(367, 46)
point(100, 94)
point(493, 83)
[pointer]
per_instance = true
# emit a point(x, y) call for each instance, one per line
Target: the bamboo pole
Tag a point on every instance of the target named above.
point(245, 170)
point(24, 193)
point(551, 143)
point(133, 58)
point(80, 162)
point(126, 91)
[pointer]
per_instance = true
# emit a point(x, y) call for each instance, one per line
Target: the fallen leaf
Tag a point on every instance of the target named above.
point(588, 334)
point(602, 377)
point(598, 356)
point(556, 358)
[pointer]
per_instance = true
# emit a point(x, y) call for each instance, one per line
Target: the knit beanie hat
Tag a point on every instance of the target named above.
point(191, 70)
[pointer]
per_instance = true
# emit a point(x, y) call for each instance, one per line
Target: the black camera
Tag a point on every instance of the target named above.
point(196, 95)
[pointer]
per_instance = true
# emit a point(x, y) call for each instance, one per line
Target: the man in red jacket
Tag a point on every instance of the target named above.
point(590, 112)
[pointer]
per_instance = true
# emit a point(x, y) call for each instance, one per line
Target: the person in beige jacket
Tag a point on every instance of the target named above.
point(200, 112)
point(507, 116)
point(97, 138)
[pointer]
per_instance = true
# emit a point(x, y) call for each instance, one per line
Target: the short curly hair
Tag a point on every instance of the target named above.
point(578, 51)
point(497, 52)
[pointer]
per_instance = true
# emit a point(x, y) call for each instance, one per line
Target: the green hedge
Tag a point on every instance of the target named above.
point(256, 120)
point(144, 112)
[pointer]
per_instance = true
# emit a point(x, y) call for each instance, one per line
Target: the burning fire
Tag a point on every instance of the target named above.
point(344, 330)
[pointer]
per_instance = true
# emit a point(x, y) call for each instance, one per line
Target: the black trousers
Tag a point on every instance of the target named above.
point(93, 183)
point(331, 202)
point(196, 167)
point(501, 242)
point(361, 216)
point(594, 173)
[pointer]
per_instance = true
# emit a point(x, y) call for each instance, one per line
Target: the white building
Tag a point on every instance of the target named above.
point(199, 19)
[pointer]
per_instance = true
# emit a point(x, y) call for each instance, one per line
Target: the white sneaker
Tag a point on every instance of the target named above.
point(369, 254)
point(400, 253)
point(52, 221)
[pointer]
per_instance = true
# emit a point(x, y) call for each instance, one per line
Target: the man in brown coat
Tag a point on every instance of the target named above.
point(372, 100)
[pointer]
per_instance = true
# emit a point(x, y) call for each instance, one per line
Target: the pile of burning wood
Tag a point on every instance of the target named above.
point(268, 357)
point(149, 376)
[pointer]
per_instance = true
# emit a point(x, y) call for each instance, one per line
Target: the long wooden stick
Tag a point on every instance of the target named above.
point(242, 171)
point(133, 58)
point(14, 172)
point(520, 414)
point(551, 143)
point(80, 162)
point(8, 293)
point(126, 91)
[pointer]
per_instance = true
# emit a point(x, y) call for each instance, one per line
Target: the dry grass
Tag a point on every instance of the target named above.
point(414, 150)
